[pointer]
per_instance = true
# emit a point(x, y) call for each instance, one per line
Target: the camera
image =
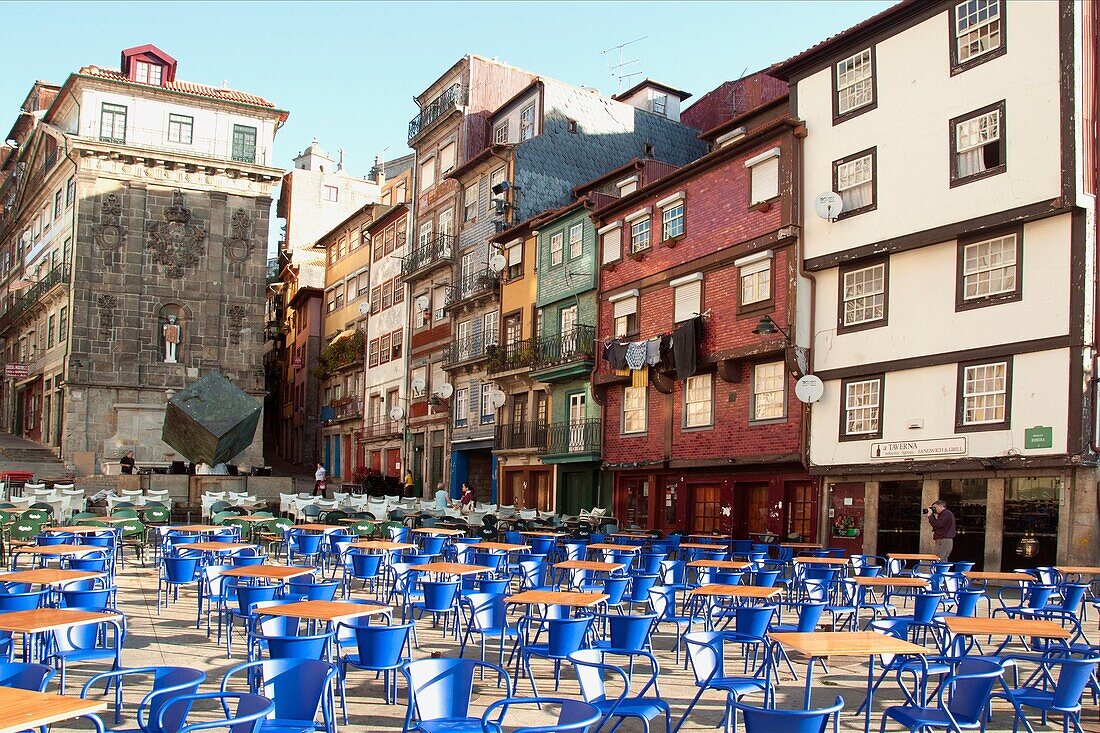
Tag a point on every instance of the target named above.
point(927, 511)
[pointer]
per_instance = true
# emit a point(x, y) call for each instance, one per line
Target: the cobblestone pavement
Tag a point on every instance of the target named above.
point(171, 638)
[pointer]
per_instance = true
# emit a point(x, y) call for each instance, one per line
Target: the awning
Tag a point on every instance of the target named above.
point(342, 335)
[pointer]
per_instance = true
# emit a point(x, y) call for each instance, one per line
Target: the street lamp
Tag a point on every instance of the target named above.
point(768, 327)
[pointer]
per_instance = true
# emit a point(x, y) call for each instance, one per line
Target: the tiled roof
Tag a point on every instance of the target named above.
point(186, 87)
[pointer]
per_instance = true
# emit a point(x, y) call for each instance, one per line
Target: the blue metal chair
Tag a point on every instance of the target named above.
point(769, 720)
point(487, 617)
point(563, 637)
point(294, 646)
point(246, 718)
point(86, 643)
point(573, 716)
point(246, 595)
point(920, 668)
point(166, 683)
point(175, 572)
point(440, 598)
point(440, 691)
point(25, 675)
point(310, 590)
point(364, 567)
point(662, 600)
point(94, 599)
point(377, 649)
point(214, 593)
point(809, 614)
point(707, 657)
point(591, 666)
point(300, 689)
point(1059, 694)
point(304, 546)
point(970, 688)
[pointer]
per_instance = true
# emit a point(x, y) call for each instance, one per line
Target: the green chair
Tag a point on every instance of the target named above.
point(35, 515)
point(22, 533)
point(125, 513)
point(92, 521)
point(243, 527)
point(270, 533)
point(133, 535)
point(156, 515)
point(220, 517)
point(364, 528)
point(76, 518)
point(263, 514)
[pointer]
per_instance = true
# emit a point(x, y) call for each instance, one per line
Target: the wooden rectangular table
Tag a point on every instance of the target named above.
point(720, 564)
point(80, 529)
point(999, 577)
point(498, 546)
point(194, 528)
point(722, 590)
point(701, 546)
point(440, 531)
point(1001, 626)
point(325, 610)
point(820, 644)
point(595, 566)
point(39, 620)
point(116, 520)
point(269, 572)
point(820, 560)
point(452, 568)
point(383, 545)
point(1077, 570)
point(890, 582)
point(573, 599)
point(47, 576)
point(542, 534)
point(318, 527)
point(22, 710)
point(801, 545)
point(604, 546)
point(914, 556)
point(218, 546)
point(55, 550)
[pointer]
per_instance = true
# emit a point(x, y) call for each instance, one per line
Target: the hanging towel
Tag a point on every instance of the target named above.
point(653, 351)
point(615, 354)
point(684, 352)
point(621, 372)
point(640, 378)
point(636, 355)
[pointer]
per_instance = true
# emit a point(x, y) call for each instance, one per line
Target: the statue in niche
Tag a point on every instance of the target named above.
point(173, 334)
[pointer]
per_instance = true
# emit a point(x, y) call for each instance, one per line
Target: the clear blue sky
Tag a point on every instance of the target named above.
point(347, 72)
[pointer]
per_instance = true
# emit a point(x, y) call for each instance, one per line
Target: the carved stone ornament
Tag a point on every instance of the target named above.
point(106, 304)
point(176, 242)
point(236, 315)
point(109, 234)
point(240, 245)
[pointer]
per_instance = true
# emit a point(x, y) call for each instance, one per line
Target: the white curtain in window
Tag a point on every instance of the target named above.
point(971, 162)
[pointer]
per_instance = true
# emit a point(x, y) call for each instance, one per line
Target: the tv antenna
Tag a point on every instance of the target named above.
point(619, 71)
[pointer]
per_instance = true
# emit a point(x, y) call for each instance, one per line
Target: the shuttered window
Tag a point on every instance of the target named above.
point(764, 175)
point(611, 243)
point(625, 307)
point(687, 297)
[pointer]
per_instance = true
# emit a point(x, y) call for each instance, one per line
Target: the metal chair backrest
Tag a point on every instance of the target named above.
point(25, 676)
point(761, 720)
point(246, 718)
point(442, 688)
point(381, 647)
point(971, 686)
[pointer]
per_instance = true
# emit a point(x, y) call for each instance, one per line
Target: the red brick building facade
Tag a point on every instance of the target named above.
point(722, 449)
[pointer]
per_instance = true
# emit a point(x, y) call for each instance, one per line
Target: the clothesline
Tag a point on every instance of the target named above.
point(675, 351)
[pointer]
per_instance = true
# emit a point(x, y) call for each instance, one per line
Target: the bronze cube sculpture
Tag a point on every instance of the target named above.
point(211, 421)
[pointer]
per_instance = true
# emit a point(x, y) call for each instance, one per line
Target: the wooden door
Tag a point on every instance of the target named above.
point(800, 510)
point(846, 512)
point(705, 508)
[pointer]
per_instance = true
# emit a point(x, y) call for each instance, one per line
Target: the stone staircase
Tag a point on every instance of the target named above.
point(19, 454)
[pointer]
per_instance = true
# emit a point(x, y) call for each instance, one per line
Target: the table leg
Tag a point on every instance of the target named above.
point(809, 682)
point(870, 693)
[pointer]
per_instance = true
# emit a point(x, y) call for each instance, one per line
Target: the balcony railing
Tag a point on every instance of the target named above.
point(29, 297)
point(343, 409)
point(513, 355)
point(470, 348)
point(440, 250)
point(441, 105)
point(577, 436)
point(381, 429)
point(472, 285)
point(521, 435)
point(195, 147)
point(577, 344)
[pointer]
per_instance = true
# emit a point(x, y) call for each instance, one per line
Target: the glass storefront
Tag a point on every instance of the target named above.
point(1031, 512)
point(967, 499)
point(899, 517)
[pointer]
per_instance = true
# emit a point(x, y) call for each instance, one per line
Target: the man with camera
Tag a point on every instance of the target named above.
point(943, 528)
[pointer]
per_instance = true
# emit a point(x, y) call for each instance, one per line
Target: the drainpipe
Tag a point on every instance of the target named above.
point(800, 219)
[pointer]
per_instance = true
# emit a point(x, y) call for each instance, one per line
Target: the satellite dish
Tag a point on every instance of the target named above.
point(397, 412)
point(445, 390)
point(497, 263)
point(809, 389)
point(423, 302)
point(418, 385)
point(364, 308)
point(828, 205)
point(496, 399)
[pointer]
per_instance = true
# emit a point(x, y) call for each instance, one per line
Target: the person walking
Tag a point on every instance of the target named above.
point(319, 480)
point(942, 521)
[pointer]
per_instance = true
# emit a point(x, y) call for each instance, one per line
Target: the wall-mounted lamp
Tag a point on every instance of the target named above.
point(768, 327)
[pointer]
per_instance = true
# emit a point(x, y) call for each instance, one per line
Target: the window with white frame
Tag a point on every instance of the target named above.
point(627, 186)
point(497, 177)
point(763, 176)
point(180, 128)
point(146, 73)
point(639, 234)
point(698, 401)
point(625, 312)
point(439, 303)
point(500, 132)
point(611, 244)
point(978, 29)
point(470, 200)
point(527, 122)
point(755, 277)
point(576, 241)
point(556, 248)
point(979, 143)
point(768, 391)
point(634, 410)
point(488, 412)
point(863, 407)
point(672, 221)
point(446, 158)
point(855, 182)
point(465, 329)
point(419, 382)
point(854, 82)
point(985, 393)
point(990, 267)
point(427, 229)
point(863, 296)
point(427, 174)
point(462, 407)
point(112, 123)
point(514, 255)
point(490, 328)
point(687, 297)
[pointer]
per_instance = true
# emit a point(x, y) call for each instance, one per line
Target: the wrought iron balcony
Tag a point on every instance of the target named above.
point(439, 251)
point(518, 436)
point(521, 354)
point(381, 428)
point(448, 100)
point(577, 436)
point(344, 409)
point(468, 349)
point(472, 286)
point(576, 345)
point(32, 295)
